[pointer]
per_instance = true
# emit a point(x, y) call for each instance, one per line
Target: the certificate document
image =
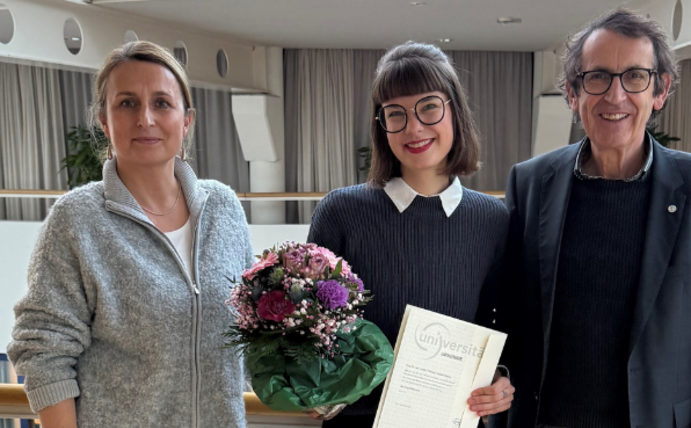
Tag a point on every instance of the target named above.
point(438, 362)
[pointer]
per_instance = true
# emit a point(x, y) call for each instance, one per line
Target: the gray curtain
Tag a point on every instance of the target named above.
point(291, 106)
point(675, 119)
point(217, 153)
point(75, 91)
point(499, 86)
point(320, 123)
point(365, 65)
point(32, 138)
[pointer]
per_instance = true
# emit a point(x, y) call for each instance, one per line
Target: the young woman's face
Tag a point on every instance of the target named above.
point(145, 115)
point(419, 146)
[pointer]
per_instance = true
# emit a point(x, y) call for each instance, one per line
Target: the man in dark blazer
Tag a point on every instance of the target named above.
point(598, 303)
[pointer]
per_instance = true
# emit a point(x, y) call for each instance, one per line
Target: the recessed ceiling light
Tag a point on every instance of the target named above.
point(418, 3)
point(509, 20)
point(444, 40)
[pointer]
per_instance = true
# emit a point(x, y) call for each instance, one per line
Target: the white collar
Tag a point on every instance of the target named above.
point(402, 195)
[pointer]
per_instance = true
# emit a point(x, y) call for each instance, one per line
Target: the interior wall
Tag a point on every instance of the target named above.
point(38, 36)
point(663, 12)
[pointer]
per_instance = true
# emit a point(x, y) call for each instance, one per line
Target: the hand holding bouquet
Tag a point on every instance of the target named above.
point(299, 323)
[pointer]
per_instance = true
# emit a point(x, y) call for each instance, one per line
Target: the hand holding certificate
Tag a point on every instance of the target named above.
point(439, 361)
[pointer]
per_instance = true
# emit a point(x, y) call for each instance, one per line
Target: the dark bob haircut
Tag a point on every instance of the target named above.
point(412, 69)
point(628, 24)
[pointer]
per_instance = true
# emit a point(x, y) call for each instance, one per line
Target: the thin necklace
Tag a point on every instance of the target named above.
point(177, 198)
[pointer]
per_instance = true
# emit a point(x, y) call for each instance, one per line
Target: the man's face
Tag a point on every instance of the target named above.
point(617, 119)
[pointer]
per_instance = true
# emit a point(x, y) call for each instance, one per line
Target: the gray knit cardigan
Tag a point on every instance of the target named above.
point(112, 318)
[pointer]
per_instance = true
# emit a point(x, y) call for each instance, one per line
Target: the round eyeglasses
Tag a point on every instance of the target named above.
point(634, 80)
point(429, 111)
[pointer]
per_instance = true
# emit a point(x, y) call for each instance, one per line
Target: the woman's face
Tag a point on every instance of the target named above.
point(418, 146)
point(145, 115)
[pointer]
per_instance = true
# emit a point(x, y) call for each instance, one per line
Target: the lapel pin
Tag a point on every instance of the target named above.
point(672, 208)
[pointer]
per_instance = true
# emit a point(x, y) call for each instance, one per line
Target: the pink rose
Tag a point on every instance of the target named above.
point(270, 260)
point(294, 259)
point(316, 266)
point(274, 306)
point(333, 260)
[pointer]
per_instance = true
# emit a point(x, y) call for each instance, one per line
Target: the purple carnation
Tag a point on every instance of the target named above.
point(355, 280)
point(332, 294)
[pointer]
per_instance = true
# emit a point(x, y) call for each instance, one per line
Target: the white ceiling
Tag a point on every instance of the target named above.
point(367, 24)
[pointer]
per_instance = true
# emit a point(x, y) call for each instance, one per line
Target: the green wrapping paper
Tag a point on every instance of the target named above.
point(364, 360)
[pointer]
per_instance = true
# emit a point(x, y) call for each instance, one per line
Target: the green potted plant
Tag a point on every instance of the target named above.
point(661, 137)
point(83, 162)
point(365, 153)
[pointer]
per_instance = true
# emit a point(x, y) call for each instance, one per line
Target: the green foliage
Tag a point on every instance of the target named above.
point(661, 137)
point(83, 163)
point(263, 344)
point(276, 276)
point(337, 272)
point(291, 383)
point(365, 153)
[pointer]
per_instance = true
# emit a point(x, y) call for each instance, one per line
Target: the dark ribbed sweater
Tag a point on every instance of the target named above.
point(418, 257)
point(599, 267)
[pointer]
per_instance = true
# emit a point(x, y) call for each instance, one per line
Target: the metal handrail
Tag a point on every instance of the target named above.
point(14, 404)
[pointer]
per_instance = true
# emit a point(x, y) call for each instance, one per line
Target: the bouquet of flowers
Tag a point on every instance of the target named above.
point(299, 324)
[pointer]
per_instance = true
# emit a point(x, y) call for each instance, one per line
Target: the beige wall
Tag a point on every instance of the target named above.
point(39, 38)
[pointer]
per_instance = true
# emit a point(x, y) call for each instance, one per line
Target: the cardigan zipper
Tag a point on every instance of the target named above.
point(192, 282)
point(197, 339)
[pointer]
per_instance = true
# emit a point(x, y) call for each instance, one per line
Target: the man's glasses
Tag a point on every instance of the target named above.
point(635, 80)
point(429, 111)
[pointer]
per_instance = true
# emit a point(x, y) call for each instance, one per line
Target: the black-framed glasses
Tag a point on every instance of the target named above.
point(429, 111)
point(634, 80)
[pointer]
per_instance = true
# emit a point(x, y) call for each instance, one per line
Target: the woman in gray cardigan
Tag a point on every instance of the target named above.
point(122, 324)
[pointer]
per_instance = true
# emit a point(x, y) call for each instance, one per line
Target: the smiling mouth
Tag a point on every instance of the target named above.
point(418, 144)
point(614, 117)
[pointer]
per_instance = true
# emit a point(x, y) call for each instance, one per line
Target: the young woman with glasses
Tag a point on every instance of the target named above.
point(413, 233)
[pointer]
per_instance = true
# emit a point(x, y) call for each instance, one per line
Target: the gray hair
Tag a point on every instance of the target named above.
point(628, 24)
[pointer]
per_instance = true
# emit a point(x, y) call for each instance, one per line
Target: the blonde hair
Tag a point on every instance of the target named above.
point(147, 52)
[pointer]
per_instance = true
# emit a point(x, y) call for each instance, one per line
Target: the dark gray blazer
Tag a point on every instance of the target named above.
point(659, 365)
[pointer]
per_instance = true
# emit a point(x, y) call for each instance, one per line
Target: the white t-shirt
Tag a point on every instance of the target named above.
point(182, 241)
